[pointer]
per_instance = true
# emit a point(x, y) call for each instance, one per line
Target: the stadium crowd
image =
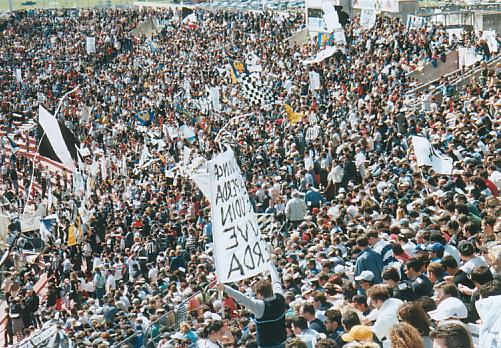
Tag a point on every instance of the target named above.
point(369, 249)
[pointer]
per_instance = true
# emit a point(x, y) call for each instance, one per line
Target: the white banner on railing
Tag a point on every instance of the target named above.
point(240, 252)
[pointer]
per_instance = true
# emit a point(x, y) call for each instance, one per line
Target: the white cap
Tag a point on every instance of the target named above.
point(178, 336)
point(368, 276)
point(450, 308)
point(339, 269)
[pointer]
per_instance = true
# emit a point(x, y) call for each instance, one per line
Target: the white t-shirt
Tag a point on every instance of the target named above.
point(386, 318)
point(110, 282)
point(470, 265)
point(208, 344)
point(118, 270)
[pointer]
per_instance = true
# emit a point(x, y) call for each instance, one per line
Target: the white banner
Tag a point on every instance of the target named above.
point(19, 77)
point(415, 22)
point(314, 80)
point(339, 37)
point(4, 227)
point(214, 98)
point(320, 56)
point(201, 177)
point(379, 5)
point(490, 37)
point(330, 17)
point(388, 6)
point(78, 182)
point(300, 38)
point(467, 57)
point(240, 252)
point(90, 45)
point(186, 87)
point(29, 222)
point(187, 132)
point(426, 155)
point(364, 4)
point(455, 31)
point(367, 18)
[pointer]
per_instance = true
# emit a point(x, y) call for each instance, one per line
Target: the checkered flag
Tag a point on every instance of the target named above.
point(256, 92)
point(265, 223)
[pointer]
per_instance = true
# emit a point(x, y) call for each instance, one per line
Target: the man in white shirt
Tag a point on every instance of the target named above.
point(470, 260)
point(387, 308)
point(110, 281)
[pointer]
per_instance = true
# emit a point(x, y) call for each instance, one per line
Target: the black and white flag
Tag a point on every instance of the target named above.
point(256, 92)
point(58, 142)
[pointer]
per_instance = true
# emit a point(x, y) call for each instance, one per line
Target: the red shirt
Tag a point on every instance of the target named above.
point(492, 186)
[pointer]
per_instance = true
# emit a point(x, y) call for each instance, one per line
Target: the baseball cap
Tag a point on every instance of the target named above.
point(368, 276)
point(358, 333)
point(449, 308)
point(435, 247)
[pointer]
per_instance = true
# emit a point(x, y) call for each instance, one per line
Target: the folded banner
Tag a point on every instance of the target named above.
point(426, 155)
point(240, 251)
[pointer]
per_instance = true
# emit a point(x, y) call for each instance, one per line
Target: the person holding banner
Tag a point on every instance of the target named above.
point(268, 308)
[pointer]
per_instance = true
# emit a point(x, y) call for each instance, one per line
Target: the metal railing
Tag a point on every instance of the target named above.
point(169, 322)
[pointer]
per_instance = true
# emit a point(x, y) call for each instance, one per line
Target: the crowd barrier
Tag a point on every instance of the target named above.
point(169, 322)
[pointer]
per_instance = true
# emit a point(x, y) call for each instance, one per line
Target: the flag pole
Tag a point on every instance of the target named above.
point(228, 123)
point(38, 149)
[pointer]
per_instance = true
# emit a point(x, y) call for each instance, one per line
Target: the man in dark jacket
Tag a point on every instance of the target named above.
point(268, 309)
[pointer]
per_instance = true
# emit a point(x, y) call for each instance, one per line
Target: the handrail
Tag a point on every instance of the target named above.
point(470, 72)
point(163, 317)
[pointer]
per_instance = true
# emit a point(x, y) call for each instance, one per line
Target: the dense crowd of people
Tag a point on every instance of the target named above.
point(368, 248)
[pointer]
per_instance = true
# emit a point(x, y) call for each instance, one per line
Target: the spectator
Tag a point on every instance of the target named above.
point(403, 335)
point(386, 310)
point(451, 335)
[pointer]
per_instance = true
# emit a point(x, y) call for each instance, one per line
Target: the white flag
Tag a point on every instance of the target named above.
point(426, 155)
point(50, 198)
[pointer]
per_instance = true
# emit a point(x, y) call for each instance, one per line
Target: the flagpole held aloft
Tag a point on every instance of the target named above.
point(38, 148)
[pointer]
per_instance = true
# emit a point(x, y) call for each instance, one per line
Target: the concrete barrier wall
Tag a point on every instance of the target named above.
point(430, 73)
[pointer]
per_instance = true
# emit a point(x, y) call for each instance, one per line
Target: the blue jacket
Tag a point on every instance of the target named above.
point(369, 260)
point(314, 197)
